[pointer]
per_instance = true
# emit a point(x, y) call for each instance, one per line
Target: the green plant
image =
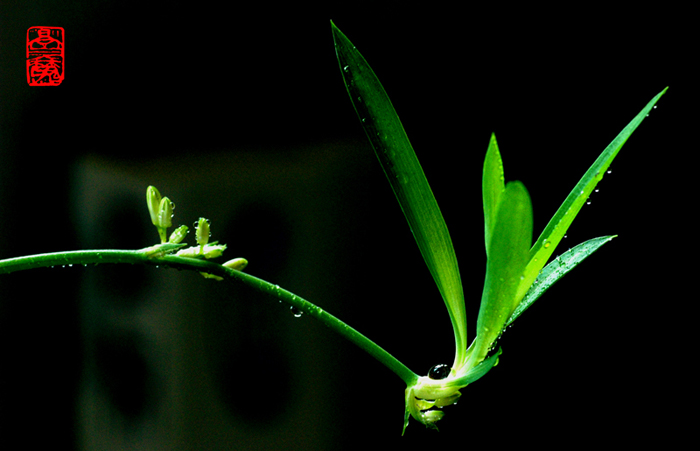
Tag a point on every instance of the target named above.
point(516, 274)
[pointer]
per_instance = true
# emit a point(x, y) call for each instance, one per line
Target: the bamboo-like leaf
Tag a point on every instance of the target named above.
point(556, 270)
point(406, 177)
point(562, 219)
point(492, 188)
point(508, 257)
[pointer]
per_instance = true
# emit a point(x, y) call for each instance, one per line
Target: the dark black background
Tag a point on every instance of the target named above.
point(597, 360)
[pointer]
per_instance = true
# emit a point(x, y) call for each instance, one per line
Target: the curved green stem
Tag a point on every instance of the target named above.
point(143, 256)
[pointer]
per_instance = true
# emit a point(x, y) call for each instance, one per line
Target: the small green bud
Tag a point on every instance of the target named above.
point(203, 231)
point(207, 251)
point(190, 252)
point(178, 234)
point(237, 264)
point(153, 200)
point(161, 250)
point(214, 250)
point(165, 213)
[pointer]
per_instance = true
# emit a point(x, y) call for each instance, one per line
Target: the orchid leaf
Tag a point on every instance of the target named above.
point(508, 253)
point(406, 177)
point(492, 188)
point(556, 270)
point(562, 219)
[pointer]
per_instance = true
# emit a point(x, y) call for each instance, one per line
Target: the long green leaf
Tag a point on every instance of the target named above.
point(400, 164)
point(493, 187)
point(556, 270)
point(562, 219)
point(508, 257)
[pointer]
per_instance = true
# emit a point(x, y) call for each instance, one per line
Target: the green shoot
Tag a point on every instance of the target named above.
point(515, 277)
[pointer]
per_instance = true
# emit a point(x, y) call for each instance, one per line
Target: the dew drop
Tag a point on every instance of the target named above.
point(346, 68)
point(440, 371)
point(295, 311)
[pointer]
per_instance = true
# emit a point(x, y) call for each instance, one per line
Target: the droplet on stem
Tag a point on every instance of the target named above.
point(439, 371)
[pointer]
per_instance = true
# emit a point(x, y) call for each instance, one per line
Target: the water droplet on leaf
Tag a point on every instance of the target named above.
point(295, 311)
point(440, 371)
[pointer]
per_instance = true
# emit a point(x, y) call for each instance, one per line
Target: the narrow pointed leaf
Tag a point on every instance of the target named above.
point(400, 164)
point(492, 188)
point(508, 257)
point(556, 270)
point(562, 219)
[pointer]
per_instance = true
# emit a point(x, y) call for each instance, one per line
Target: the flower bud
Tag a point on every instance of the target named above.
point(207, 251)
point(153, 201)
point(165, 213)
point(178, 234)
point(213, 250)
point(203, 231)
point(237, 264)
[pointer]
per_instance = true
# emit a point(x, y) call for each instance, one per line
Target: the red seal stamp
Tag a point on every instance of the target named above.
point(45, 56)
